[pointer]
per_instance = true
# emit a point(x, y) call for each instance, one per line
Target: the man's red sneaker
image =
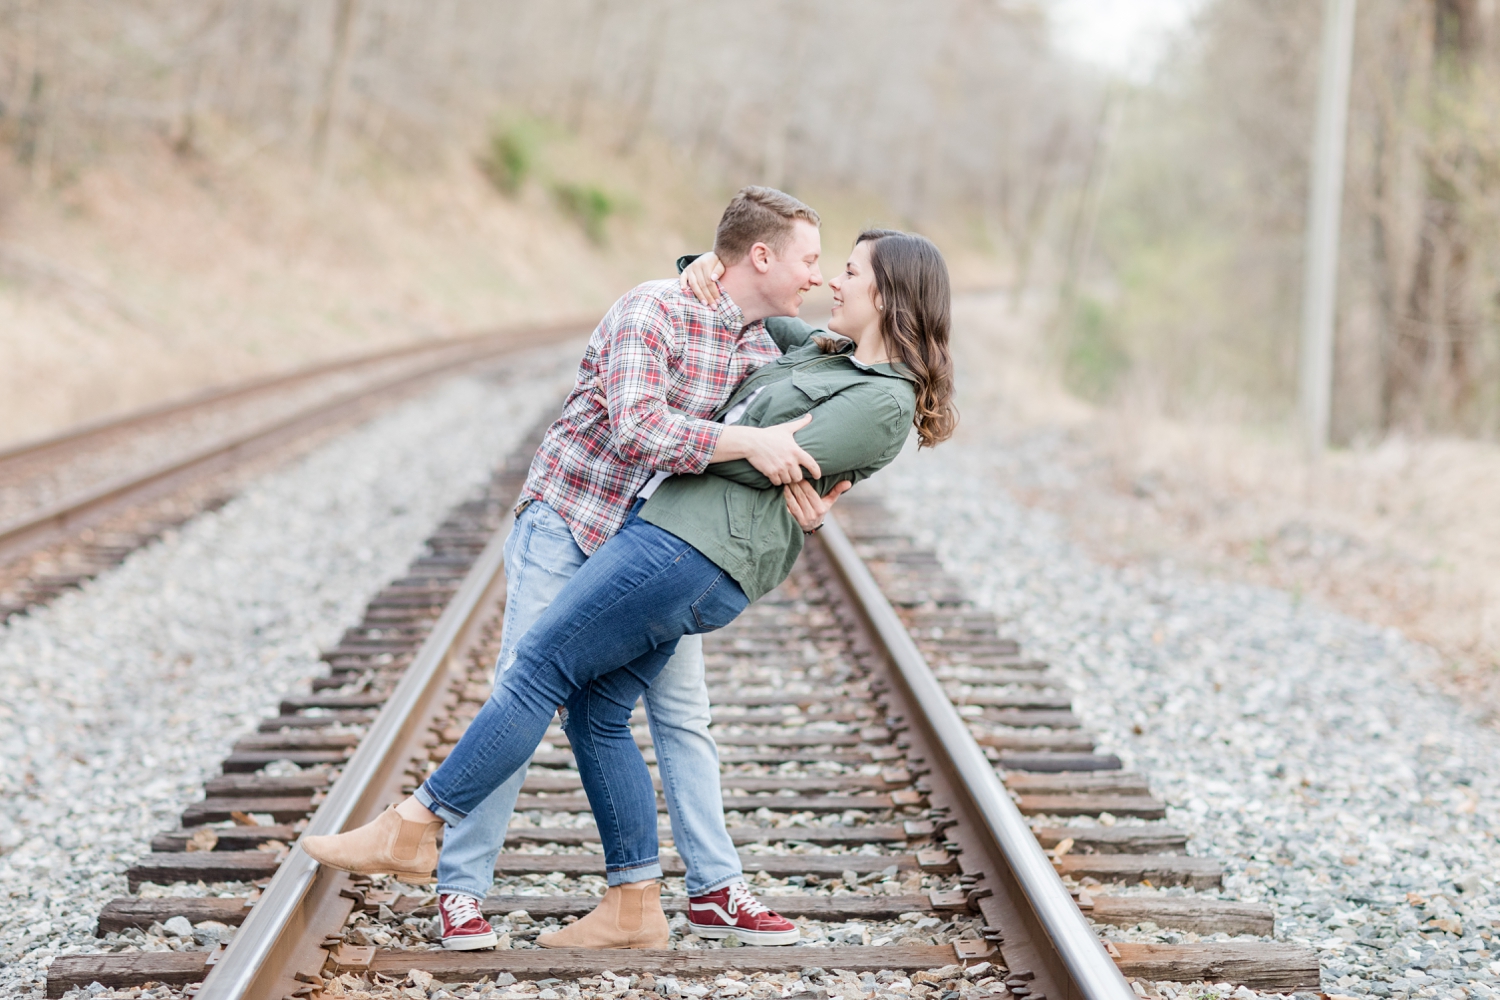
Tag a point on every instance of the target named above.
point(733, 910)
point(464, 927)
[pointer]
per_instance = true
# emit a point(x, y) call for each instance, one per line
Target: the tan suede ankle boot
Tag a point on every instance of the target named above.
point(389, 845)
point(629, 916)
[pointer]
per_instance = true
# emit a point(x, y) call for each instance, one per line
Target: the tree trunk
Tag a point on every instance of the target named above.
point(335, 80)
point(581, 87)
point(1430, 377)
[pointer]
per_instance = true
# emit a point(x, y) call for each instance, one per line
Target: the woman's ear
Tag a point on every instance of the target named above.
point(879, 302)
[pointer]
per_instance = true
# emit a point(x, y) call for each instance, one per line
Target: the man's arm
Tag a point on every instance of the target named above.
point(644, 430)
point(772, 451)
point(833, 437)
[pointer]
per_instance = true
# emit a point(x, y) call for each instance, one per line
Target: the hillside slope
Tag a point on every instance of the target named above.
point(149, 276)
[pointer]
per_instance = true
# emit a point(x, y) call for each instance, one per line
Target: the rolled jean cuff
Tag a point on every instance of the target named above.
point(716, 886)
point(449, 888)
point(447, 814)
point(643, 872)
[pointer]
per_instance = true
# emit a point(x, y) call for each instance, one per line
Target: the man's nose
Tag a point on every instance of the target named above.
point(817, 276)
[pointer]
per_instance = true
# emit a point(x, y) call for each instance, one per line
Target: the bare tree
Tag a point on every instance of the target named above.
point(1201, 229)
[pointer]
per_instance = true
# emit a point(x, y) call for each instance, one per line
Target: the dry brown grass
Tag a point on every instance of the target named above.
point(1405, 533)
point(150, 276)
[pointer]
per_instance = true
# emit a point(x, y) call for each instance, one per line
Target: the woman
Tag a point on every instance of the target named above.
point(689, 560)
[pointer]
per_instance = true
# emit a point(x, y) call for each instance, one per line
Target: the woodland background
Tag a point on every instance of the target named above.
point(192, 193)
point(1166, 215)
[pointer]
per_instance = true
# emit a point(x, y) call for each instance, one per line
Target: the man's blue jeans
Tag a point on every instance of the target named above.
point(540, 558)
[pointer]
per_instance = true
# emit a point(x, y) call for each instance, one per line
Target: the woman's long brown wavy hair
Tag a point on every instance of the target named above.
point(912, 279)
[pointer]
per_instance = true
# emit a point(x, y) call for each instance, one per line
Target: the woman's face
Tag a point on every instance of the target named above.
point(856, 312)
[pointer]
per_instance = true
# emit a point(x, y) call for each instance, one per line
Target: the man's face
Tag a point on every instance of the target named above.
point(791, 273)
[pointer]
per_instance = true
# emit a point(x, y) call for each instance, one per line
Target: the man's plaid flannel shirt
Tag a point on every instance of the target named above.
point(666, 363)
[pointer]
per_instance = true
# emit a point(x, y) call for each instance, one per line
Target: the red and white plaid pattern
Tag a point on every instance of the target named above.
point(666, 363)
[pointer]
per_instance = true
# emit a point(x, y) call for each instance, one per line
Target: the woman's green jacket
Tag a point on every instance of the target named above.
point(861, 415)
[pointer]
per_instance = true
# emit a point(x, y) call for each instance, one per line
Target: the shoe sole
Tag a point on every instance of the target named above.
point(654, 946)
point(471, 942)
point(718, 931)
point(405, 878)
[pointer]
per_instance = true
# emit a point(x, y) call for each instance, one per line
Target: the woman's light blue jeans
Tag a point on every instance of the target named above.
point(541, 559)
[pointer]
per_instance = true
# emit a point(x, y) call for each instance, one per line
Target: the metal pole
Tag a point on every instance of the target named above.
point(1320, 282)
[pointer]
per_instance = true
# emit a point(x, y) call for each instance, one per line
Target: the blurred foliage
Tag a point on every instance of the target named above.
point(589, 205)
point(978, 123)
point(511, 157)
point(1094, 362)
point(518, 151)
point(1200, 232)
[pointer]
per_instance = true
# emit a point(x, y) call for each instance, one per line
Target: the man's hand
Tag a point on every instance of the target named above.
point(773, 450)
point(700, 276)
point(807, 507)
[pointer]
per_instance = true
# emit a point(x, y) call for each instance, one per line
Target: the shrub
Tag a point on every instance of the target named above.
point(591, 206)
point(1093, 361)
point(510, 158)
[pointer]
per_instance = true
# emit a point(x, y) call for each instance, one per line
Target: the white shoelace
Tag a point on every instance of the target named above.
point(461, 909)
point(741, 901)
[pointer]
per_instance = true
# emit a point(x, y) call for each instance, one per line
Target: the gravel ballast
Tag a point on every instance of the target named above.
point(117, 701)
point(1295, 744)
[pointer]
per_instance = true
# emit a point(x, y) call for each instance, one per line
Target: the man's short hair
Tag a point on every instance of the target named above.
point(758, 215)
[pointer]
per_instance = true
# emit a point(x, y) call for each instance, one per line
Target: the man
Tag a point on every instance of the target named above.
point(656, 369)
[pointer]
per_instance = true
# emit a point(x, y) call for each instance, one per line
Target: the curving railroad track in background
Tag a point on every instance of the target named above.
point(89, 497)
point(902, 781)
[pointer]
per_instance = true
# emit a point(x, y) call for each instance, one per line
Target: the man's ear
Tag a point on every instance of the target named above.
point(760, 258)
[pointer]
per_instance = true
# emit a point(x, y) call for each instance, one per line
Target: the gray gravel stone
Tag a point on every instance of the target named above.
point(179, 927)
point(117, 701)
point(1299, 746)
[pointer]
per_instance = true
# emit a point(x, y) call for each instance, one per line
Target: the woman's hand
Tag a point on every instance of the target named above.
point(699, 277)
point(807, 507)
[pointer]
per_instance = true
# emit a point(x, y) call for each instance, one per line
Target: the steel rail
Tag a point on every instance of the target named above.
point(91, 505)
point(222, 394)
point(284, 932)
point(1077, 964)
point(262, 959)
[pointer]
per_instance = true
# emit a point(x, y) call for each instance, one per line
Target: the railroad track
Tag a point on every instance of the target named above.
point(78, 503)
point(903, 781)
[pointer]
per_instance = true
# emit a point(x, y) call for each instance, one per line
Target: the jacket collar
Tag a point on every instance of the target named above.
point(894, 369)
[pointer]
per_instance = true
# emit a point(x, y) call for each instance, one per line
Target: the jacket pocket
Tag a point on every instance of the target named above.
point(814, 386)
point(740, 503)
